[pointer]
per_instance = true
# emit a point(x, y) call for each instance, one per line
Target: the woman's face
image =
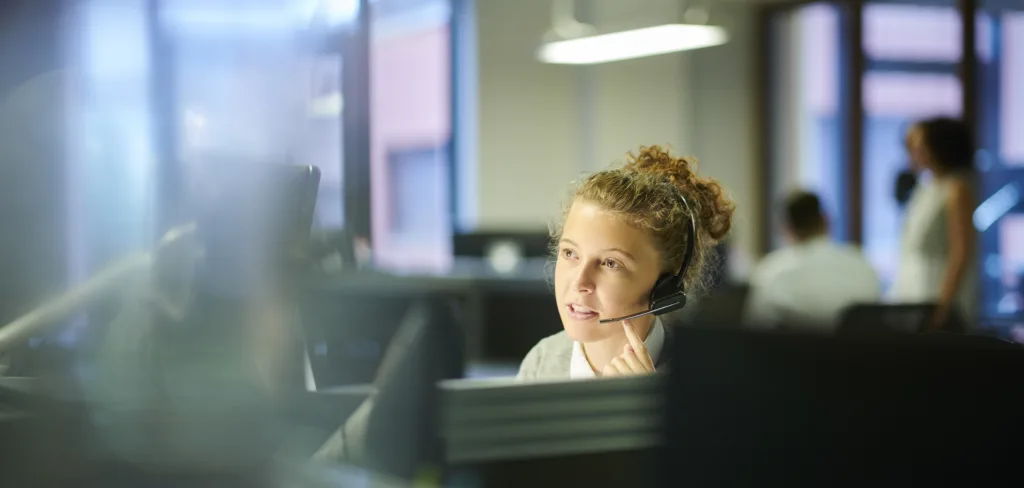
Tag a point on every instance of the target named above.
point(606, 268)
point(916, 149)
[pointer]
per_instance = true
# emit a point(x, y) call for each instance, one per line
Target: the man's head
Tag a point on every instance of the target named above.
point(804, 216)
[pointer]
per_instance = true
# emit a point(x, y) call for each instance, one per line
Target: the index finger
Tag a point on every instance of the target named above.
point(638, 345)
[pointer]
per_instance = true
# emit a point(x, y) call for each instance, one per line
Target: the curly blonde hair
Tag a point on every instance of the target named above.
point(646, 192)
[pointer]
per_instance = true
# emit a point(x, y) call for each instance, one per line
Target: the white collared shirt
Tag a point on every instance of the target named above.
point(810, 284)
point(579, 367)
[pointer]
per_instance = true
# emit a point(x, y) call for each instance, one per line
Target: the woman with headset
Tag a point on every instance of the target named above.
point(631, 244)
point(631, 241)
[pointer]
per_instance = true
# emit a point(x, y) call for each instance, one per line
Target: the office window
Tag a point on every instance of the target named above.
point(1000, 216)
point(1010, 299)
point(321, 142)
point(912, 52)
point(807, 113)
point(111, 166)
point(410, 134)
point(110, 157)
point(896, 32)
point(419, 186)
point(1011, 90)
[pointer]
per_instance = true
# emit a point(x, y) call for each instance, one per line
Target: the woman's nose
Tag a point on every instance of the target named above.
point(584, 282)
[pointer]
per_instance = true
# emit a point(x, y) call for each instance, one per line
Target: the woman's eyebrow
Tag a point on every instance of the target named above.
point(610, 249)
point(621, 251)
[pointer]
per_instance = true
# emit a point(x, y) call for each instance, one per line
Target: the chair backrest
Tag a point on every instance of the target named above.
point(722, 307)
point(970, 340)
point(887, 319)
point(402, 428)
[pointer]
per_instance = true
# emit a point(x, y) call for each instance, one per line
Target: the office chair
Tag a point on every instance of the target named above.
point(873, 319)
point(969, 340)
point(395, 431)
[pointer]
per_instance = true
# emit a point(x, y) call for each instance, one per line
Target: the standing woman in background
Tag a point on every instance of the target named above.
point(937, 254)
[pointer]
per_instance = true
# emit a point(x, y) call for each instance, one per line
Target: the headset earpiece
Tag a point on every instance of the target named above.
point(667, 295)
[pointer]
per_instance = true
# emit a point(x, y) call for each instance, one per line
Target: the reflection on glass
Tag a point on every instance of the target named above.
point(247, 89)
point(110, 170)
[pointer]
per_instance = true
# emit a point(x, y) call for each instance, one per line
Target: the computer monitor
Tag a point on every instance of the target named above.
point(253, 221)
point(760, 409)
point(560, 433)
point(478, 244)
point(348, 322)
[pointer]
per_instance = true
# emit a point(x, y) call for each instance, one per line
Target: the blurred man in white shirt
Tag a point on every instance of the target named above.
point(808, 284)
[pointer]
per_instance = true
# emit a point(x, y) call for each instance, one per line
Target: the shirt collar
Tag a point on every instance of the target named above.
point(579, 367)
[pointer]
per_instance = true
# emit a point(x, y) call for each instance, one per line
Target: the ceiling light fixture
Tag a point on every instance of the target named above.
point(638, 43)
point(573, 42)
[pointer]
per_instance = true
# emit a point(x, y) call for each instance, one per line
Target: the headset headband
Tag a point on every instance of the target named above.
point(690, 243)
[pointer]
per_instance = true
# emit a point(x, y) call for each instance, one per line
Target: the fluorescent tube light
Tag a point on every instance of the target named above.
point(637, 43)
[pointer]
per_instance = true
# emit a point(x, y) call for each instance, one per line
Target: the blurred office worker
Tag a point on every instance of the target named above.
point(623, 231)
point(809, 283)
point(938, 243)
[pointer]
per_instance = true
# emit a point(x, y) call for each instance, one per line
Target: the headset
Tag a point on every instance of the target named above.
point(669, 292)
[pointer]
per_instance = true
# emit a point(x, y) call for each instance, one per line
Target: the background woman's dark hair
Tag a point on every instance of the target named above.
point(950, 142)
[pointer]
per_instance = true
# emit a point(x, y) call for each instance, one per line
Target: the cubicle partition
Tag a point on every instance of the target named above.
point(564, 433)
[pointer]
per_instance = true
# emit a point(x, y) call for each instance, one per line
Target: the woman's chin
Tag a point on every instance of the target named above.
point(589, 331)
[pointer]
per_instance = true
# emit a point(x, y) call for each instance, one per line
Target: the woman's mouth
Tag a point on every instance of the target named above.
point(581, 313)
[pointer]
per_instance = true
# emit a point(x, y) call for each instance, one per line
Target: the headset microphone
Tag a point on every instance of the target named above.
point(669, 292)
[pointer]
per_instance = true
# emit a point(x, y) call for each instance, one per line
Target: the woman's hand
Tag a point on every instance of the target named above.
point(634, 360)
point(939, 318)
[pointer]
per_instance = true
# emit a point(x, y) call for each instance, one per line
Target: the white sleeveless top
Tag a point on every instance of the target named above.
point(924, 251)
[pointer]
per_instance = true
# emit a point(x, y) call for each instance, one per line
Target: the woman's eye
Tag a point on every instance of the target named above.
point(611, 264)
point(568, 253)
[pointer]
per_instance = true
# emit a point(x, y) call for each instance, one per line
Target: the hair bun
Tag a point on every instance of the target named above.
point(658, 160)
point(707, 200)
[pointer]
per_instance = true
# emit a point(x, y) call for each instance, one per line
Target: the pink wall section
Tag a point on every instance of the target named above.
point(410, 90)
